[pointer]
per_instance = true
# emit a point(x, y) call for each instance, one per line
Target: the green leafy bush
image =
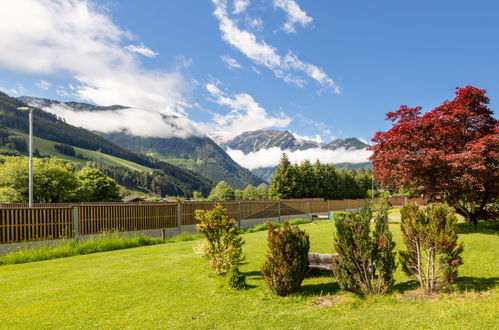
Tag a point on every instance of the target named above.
point(366, 260)
point(287, 259)
point(432, 253)
point(236, 279)
point(223, 246)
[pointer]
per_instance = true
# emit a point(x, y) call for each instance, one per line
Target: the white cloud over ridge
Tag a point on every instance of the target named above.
point(295, 15)
point(135, 121)
point(245, 115)
point(77, 39)
point(287, 67)
point(270, 157)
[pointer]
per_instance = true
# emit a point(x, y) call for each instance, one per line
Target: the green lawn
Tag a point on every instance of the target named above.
point(168, 286)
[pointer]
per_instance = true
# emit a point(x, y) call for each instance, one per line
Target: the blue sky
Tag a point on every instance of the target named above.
point(323, 67)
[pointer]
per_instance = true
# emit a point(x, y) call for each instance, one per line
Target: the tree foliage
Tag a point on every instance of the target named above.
point(366, 261)
point(432, 253)
point(94, 186)
point(287, 259)
point(223, 246)
point(54, 181)
point(318, 181)
point(222, 192)
point(451, 151)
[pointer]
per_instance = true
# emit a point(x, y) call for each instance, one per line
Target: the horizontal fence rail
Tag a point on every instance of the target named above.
point(19, 223)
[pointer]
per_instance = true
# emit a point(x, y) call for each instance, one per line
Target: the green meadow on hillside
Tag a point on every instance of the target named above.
point(169, 286)
point(46, 147)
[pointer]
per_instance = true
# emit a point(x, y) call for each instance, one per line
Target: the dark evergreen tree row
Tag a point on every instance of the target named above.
point(318, 181)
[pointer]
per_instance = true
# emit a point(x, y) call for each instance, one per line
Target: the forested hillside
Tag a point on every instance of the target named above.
point(199, 154)
point(59, 139)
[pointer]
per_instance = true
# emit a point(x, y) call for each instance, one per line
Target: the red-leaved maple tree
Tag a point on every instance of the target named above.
point(451, 152)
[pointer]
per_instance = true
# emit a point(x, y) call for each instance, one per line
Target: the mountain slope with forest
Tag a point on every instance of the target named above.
point(199, 154)
point(85, 147)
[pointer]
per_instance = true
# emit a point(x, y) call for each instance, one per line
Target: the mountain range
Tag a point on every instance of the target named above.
point(186, 164)
point(254, 141)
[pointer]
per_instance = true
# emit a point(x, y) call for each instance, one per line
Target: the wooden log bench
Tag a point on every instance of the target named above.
point(321, 261)
point(319, 216)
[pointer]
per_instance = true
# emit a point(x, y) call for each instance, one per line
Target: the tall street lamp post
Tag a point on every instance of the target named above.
point(30, 164)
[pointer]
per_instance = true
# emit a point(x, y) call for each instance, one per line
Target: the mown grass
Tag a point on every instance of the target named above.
point(169, 286)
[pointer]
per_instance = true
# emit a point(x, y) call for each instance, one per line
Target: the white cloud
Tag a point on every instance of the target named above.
point(18, 90)
point(43, 85)
point(141, 49)
point(254, 23)
point(316, 138)
point(245, 115)
point(295, 15)
point(363, 140)
point(75, 38)
point(288, 67)
point(240, 6)
point(230, 62)
point(270, 157)
point(135, 121)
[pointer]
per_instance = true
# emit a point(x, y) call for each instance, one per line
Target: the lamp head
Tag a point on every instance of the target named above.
point(23, 108)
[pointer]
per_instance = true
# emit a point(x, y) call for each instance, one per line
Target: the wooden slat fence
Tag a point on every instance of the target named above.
point(25, 224)
point(18, 223)
point(99, 219)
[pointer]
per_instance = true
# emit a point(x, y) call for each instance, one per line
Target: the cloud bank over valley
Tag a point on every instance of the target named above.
point(270, 157)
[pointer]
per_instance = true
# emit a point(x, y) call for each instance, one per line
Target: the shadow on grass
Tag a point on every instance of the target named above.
point(474, 284)
point(483, 227)
point(463, 284)
point(406, 286)
point(320, 289)
point(253, 274)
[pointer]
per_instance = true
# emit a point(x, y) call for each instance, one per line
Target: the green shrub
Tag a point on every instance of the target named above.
point(299, 221)
point(366, 260)
point(236, 279)
point(223, 246)
point(287, 259)
point(263, 226)
point(432, 253)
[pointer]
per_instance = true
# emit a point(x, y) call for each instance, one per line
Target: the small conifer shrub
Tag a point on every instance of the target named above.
point(223, 246)
point(432, 254)
point(287, 259)
point(236, 279)
point(366, 261)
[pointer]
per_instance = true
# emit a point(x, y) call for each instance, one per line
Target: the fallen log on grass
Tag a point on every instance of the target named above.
point(321, 261)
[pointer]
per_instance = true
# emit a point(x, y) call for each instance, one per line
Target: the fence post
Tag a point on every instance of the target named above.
point(239, 214)
point(179, 218)
point(76, 228)
point(308, 210)
point(328, 208)
point(279, 210)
